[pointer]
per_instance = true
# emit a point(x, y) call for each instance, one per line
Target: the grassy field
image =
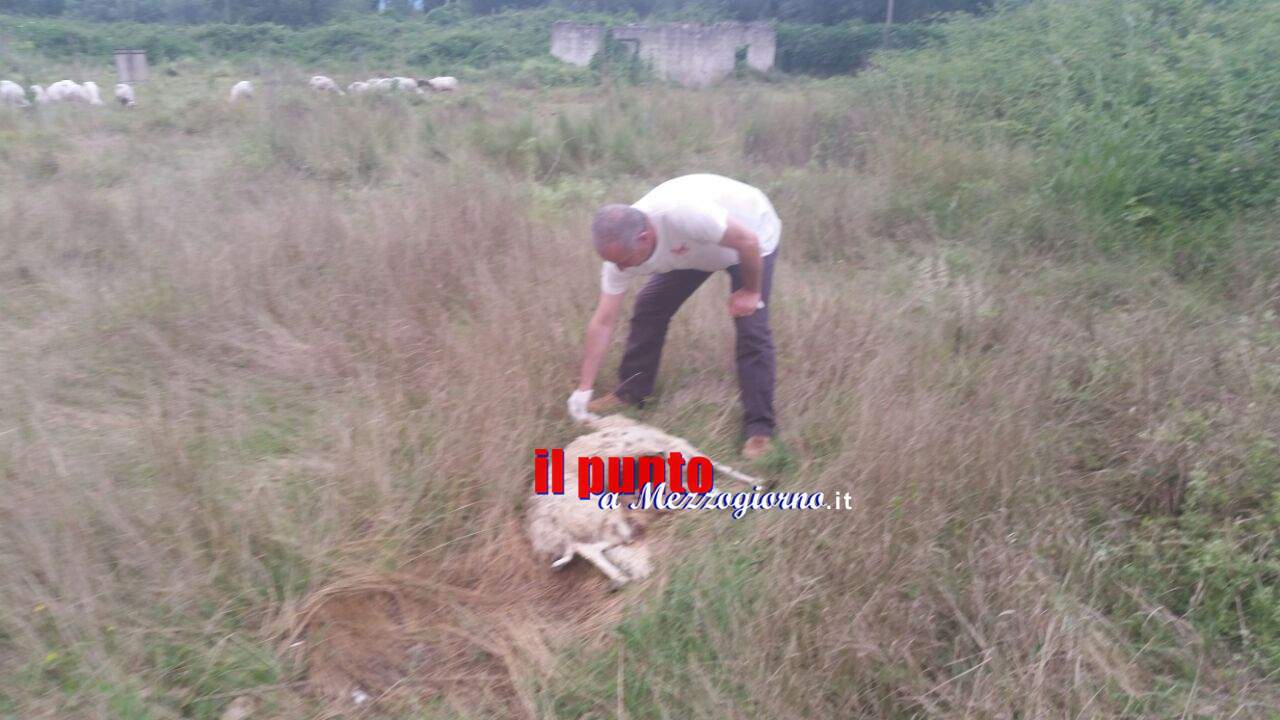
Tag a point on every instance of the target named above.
point(274, 372)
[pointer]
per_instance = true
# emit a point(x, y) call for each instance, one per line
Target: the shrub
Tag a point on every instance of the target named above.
point(447, 14)
point(60, 40)
point(542, 72)
point(1155, 109)
point(444, 40)
point(339, 42)
point(826, 50)
point(36, 7)
point(163, 44)
point(1217, 562)
point(260, 38)
point(469, 48)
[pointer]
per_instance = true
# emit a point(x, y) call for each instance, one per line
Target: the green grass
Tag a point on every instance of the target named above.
point(665, 655)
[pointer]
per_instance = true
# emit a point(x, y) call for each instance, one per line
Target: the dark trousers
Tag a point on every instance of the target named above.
point(659, 300)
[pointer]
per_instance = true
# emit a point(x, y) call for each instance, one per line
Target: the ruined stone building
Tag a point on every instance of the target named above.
point(687, 53)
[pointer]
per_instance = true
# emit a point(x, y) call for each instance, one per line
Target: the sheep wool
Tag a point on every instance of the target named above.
point(66, 91)
point(561, 527)
point(321, 83)
point(444, 83)
point(90, 92)
point(242, 90)
point(11, 93)
point(125, 96)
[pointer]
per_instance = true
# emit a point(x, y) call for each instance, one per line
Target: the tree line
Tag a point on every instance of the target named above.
point(297, 13)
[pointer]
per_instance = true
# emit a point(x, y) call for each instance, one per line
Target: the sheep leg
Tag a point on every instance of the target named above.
point(725, 470)
point(594, 554)
point(740, 477)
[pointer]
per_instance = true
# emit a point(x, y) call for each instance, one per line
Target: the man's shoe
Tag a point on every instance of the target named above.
point(606, 404)
point(757, 447)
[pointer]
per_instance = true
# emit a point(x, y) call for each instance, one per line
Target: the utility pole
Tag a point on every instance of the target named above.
point(888, 20)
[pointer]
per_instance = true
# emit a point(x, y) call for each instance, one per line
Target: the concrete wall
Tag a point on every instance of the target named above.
point(131, 65)
point(762, 45)
point(687, 53)
point(576, 43)
point(415, 4)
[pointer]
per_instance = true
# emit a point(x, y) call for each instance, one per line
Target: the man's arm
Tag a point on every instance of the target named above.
point(745, 300)
point(599, 330)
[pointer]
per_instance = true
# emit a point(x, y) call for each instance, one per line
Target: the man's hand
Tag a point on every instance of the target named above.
point(744, 302)
point(746, 299)
point(578, 405)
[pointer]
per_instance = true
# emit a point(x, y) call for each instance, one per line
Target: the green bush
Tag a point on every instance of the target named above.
point(540, 72)
point(35, 7)
point(443, 39)
point(60, 40)
point(1217, 562)
point(338, 42)
point(447, 14)
point(826, 50)
point(470, 48)
point(1155, 110)
point(221, 38)
point(163, 44)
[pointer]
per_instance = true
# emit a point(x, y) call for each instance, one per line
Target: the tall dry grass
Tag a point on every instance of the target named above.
point(265, 356)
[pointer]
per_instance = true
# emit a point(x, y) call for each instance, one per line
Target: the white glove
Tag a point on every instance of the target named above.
point(578, 405)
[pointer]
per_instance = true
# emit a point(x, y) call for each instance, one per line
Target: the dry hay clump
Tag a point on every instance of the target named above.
point(477, 633)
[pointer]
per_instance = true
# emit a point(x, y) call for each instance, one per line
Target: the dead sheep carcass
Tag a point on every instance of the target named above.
point(561, 527)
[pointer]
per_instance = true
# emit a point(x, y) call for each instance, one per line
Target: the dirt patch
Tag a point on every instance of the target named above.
point(479, 633)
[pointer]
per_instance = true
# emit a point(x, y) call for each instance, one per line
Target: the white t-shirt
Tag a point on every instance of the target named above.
point(690, 214)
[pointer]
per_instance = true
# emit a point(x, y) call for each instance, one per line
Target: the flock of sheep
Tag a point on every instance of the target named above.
point(243, 90)
point(63, 91)
point(68, 91)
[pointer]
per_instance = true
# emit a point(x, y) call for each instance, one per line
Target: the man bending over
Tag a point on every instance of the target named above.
point(680, 233)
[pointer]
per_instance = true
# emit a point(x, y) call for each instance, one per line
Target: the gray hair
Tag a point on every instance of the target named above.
point(616, 225)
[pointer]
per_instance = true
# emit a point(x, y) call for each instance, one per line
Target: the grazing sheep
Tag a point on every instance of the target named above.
point(124, 94)
point(242, 90)
point(358, 87)
point(66, 91)
point(11, 93)
point(90, 91)
point(391, 84)
point(320, 83)
point(444, 83)
point(563, 526)
point(406, 84)
point(38, 92)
